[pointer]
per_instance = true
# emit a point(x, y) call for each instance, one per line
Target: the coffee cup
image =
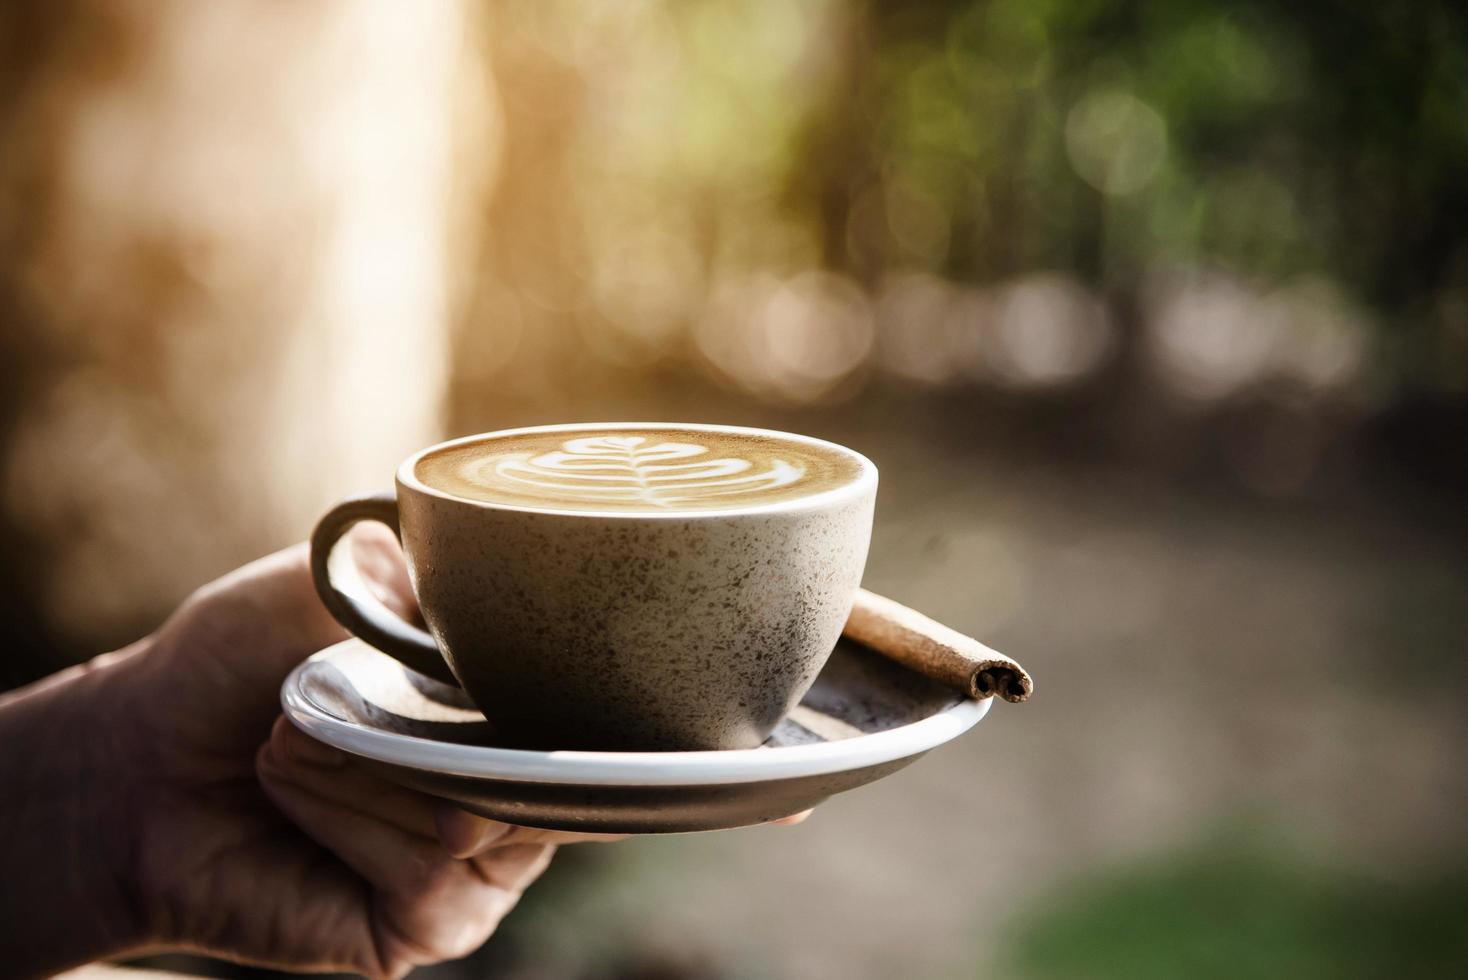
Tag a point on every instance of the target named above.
point(622, 586)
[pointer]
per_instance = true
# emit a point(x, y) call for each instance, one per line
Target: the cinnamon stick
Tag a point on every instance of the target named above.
point(928, 647)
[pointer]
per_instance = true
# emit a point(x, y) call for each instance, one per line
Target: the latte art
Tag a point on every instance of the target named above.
point(648, 470)
point(602, 468)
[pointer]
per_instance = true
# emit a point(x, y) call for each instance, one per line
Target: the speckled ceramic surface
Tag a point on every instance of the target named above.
point(864, 717)
point(615, 629)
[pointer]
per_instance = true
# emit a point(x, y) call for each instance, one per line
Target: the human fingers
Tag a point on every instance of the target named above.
point(793, 819)
point(379, 558)
point(329, 773)
point(513, 867)
point(427, 905)
point(466, 834)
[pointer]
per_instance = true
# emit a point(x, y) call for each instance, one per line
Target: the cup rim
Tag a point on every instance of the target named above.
point(865, 481)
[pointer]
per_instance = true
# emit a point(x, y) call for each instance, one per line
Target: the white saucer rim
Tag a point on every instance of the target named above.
point(565, 767)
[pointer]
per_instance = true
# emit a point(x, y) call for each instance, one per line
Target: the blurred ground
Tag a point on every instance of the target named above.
point(1249, 711)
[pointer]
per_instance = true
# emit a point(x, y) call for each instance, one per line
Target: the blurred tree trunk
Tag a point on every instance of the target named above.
point(230, 241)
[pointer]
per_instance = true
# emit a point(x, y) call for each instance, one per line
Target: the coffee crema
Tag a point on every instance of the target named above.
point(651, 470)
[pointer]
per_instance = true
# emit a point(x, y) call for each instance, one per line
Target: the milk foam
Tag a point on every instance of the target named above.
point(645, 470)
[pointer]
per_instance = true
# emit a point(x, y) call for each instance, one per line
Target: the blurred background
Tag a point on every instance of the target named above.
point(1153, 313)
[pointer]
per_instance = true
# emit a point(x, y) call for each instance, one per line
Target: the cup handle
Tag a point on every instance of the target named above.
point(347, 597)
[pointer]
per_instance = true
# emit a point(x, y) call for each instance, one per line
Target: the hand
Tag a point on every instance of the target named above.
point(263, 844)
point(191, 815)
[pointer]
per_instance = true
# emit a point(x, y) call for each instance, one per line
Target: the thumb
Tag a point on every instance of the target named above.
point(228, 648)
point(380, 560)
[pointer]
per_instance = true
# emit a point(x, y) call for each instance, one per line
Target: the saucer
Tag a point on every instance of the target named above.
point(864, 718)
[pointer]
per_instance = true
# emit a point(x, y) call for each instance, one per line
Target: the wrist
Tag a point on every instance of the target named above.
point(70, 767)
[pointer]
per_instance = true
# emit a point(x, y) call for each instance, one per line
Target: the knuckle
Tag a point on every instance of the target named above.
point(417, 932)
point(458, 936)
point(431, 878)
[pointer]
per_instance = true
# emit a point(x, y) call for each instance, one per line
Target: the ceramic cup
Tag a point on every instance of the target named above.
point(610, 629)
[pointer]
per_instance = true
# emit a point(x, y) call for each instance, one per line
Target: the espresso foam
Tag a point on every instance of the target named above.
point(650, 470)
